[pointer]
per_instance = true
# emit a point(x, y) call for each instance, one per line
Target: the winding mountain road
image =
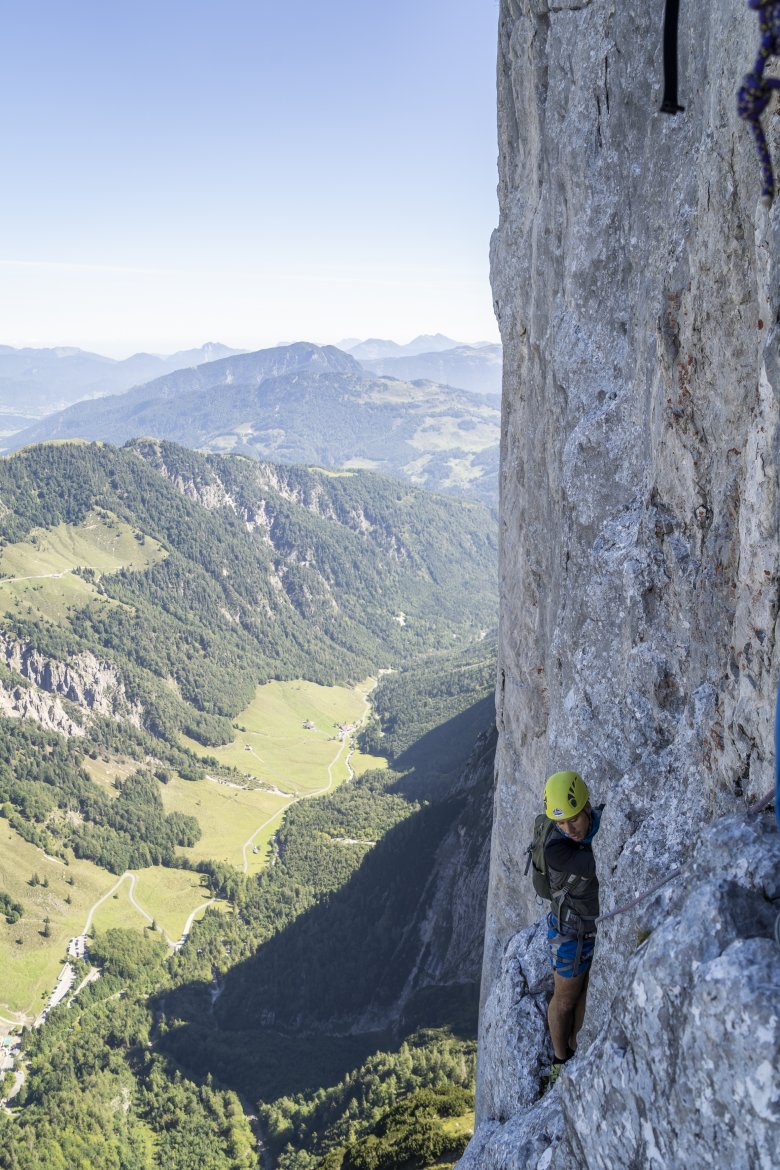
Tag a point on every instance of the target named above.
point(36, 577)
point(188, 924)
point(145, 913)
point(319, 791)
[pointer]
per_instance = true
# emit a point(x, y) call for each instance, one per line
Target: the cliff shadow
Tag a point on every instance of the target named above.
point(355, 973)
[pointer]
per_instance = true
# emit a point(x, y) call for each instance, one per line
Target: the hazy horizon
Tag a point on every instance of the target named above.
point(344, 343)
point(180, 174)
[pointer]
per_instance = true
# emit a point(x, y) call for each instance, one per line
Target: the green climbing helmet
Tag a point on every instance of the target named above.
point(565, 795)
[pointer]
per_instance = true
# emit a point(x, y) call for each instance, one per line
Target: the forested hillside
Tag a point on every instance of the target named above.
point(428, 716)
point(146, 594)
point(250, 573)
point(262, 574)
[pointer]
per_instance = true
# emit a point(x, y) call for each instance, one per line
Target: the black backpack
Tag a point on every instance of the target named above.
point(543, 826)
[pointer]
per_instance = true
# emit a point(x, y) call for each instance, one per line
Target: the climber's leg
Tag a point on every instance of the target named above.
point(566, 1011)
point(579, 1012)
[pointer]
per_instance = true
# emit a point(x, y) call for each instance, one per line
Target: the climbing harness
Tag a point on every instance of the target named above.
point(562, 789)
point(754, 95)
point(670, 105)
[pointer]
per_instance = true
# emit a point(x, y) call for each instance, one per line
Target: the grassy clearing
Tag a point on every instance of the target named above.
point(169, 896)
point(287, 737)
point(28, 970)
point(274, 745)
point(103, 542)
point(166, 896)
point(360, 464)
point(361, 763)
point(227, 815)
point(118, 910)
point(454, 1127)
point(105, 770)
point(38, 574)
point(49, 599)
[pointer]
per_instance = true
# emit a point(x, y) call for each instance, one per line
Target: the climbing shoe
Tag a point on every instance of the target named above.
point(555, 1070)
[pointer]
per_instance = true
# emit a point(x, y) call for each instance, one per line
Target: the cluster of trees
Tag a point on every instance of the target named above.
point(384, 1112)
point(42, 781)
point(348, 948)
point(410, 1134)
point(12, 909)
point(312, 863)
point(427, 716)
point(96, 1094)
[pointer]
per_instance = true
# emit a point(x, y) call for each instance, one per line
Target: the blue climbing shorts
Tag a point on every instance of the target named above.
point(563, 949)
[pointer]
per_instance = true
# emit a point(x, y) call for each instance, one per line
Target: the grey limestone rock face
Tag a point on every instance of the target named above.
point(514, 1052)
point(19, 702)
point(689, 1052)
point(683, 1072)
point(92, 685)
point(635, 279)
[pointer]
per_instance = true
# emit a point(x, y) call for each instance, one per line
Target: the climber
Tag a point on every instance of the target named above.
point(574, 891)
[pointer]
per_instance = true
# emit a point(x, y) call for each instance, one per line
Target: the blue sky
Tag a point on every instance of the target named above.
point(247, 172)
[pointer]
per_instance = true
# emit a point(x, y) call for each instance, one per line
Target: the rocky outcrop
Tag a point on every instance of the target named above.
point(20, 702)
point(94, 686)
point(258, 493)
point(636, 285)
point(688, 1056)
point(449, 927)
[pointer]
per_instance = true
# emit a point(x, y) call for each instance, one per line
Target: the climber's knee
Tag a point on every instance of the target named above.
point(567, 990)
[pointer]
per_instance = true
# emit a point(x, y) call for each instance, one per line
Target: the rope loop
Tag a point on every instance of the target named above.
point(754, 95)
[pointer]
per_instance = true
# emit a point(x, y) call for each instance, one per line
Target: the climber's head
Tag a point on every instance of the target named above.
point(567, 802)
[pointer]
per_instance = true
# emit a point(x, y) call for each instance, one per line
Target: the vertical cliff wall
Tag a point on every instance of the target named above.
point(635, 276)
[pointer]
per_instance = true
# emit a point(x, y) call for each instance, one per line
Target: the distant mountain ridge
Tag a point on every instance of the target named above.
point(470, 367)
point(42, 380)
point(302, 403)
point(378, 347)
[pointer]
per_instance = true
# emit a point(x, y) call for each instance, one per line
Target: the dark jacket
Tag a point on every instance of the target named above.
point(571, 864)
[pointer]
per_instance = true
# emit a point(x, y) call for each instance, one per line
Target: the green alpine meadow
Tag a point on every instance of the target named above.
point(245, 718)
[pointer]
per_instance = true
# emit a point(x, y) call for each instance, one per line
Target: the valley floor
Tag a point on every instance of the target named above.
point(294, 741)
